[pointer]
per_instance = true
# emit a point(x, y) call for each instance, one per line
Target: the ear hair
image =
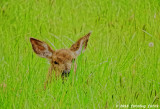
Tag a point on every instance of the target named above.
point(80, 44)
point(41, 48)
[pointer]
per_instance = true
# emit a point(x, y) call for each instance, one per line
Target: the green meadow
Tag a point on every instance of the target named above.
point(120, 67)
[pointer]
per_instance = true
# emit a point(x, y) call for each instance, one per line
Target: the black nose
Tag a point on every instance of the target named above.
point(65, 73)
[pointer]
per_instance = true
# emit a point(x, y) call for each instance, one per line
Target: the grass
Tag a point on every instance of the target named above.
point(121, 65)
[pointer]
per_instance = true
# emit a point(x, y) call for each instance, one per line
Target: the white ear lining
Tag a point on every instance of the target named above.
point(45, 53)
point(48, 53)
point(80, 48)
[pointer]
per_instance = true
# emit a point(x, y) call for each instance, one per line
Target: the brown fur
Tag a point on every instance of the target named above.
point(60, 60)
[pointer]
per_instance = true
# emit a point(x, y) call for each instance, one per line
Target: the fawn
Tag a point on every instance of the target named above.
point(60, 60)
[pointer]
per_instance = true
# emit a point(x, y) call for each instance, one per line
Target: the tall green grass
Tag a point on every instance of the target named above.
point(121, 65)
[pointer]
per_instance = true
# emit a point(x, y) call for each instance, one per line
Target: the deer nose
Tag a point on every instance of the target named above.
point(65, 73)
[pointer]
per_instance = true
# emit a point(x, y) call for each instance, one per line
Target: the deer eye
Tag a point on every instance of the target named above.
point(55, 62)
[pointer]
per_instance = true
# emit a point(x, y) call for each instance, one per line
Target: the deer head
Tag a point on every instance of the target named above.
point(61, 60)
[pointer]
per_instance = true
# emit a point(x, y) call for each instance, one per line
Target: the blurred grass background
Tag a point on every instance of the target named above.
point(120, 66)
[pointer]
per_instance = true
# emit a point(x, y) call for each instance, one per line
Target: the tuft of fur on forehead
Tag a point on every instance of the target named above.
point(64, 54)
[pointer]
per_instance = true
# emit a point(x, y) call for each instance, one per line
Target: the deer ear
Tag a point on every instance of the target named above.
point(81, 44)
point(41, 48)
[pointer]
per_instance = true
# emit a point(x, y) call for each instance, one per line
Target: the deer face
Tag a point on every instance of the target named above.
point(61, 60)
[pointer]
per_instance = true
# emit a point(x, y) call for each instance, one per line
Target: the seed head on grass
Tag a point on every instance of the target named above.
point(151, 44)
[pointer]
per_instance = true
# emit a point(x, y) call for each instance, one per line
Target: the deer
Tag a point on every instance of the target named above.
point(62, 60)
